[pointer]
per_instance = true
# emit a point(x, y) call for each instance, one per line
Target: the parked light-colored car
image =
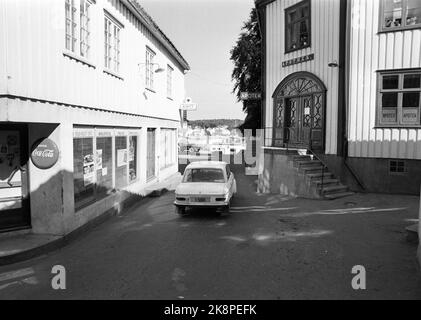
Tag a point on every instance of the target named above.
point(205, 184)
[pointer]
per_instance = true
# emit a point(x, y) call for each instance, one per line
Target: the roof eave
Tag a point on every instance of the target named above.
point(183, 63)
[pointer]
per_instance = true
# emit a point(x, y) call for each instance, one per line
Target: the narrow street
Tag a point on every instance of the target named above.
point(270, 247)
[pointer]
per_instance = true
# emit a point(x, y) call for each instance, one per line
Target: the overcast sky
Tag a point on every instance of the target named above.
point(204, 31)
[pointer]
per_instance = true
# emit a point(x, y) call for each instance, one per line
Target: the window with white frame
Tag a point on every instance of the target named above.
point(149, 63)
point(71, 25)
point(111, 44)
point(400, 14)
point(78, 27)
point(399, 98)
point(85, 32)
point(169, 81)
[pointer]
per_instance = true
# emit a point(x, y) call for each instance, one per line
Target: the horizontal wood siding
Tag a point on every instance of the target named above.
point(37, 68)
point(371, 51)
point(324, 45)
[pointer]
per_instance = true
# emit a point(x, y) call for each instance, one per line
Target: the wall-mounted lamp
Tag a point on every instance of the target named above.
point(333, 64)
point(158, 70)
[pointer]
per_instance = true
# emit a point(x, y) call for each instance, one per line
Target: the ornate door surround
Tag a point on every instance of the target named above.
point(299, 109)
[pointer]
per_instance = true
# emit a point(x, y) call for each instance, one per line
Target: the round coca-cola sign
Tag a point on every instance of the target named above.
point(44, 153)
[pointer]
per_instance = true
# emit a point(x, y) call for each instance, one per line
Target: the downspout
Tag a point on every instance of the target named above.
point(344, 55)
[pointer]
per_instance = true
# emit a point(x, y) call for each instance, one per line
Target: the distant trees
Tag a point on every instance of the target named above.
point(213, 123)
point(246, 56)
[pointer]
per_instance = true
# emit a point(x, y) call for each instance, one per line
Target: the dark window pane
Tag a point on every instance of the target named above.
point(83, 170)
point(390, 100)
point(390, 82)
point(132, 158)
point(412, 81)
point(104, 166)
point(411, 100)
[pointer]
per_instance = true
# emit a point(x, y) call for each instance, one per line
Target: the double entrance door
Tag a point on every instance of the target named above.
point(14, 200)
point(298, 121)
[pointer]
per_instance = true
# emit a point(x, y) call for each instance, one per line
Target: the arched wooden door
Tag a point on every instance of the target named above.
point(299, 112)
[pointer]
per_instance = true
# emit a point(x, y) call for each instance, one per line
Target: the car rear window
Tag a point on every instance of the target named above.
point(204, 175)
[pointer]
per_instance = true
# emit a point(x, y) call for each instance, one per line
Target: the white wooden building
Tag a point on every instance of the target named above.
point(342, 79)
point(103, 83)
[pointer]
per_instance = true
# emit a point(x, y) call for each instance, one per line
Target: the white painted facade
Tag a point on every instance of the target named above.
point(352, 51)
point(324, 46)
point(56, 92)
point(369, 52)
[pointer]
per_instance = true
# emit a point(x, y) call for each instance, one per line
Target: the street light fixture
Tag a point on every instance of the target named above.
point(158, 70)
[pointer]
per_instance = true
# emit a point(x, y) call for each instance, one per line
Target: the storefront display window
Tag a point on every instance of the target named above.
point(132, 158)
point(83, 170)
point(103, 160)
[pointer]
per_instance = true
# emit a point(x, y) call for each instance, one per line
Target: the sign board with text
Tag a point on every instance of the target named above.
point(188, 106)
point(250, 96)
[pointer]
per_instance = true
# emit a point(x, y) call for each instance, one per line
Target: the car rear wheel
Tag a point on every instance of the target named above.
point(180, 210)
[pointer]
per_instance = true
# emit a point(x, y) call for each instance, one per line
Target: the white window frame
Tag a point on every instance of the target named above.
point(399, 91)
point(170, 71)
point(404, 25)
point(71, 23)
point(78, 27)
point(149, 73)
point(85, 28)
point(112, 53)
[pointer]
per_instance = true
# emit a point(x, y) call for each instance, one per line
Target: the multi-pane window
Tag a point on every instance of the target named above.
point(297, 26)
point(78, 26)
point(85, 33)
point(104, 159)
point(399, 99)
point(71, 25)
point(150, 55)
point(169, 81)
point(111, 45)
point(400, 14)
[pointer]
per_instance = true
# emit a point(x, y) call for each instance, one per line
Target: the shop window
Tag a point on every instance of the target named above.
point(297, 26)
point(104, 166)
point(168, 147)
point(102, 161)
point(400, 14)
point(121, 156)
point(132, 158)
point(399, 98)
point(83, 171)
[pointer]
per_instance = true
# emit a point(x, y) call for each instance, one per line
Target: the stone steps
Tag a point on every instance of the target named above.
point(314, 170)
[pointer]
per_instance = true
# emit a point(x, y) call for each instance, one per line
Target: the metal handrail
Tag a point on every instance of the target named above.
point(286, 140)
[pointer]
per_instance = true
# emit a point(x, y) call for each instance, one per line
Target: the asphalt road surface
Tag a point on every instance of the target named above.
point(269, 247)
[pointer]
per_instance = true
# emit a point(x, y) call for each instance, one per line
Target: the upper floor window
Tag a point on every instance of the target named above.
point(149, 72)
point(85, 32)
point(112, 44)
point(71, 25)
point(77, 38)
point(297, 26)
point(399, 100)
point(169, 81)
point(400, 14)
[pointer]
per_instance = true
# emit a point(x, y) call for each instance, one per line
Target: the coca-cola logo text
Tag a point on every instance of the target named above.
point(44, 153)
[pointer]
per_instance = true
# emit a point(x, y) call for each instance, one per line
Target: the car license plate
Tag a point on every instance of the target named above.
point(200, 199)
